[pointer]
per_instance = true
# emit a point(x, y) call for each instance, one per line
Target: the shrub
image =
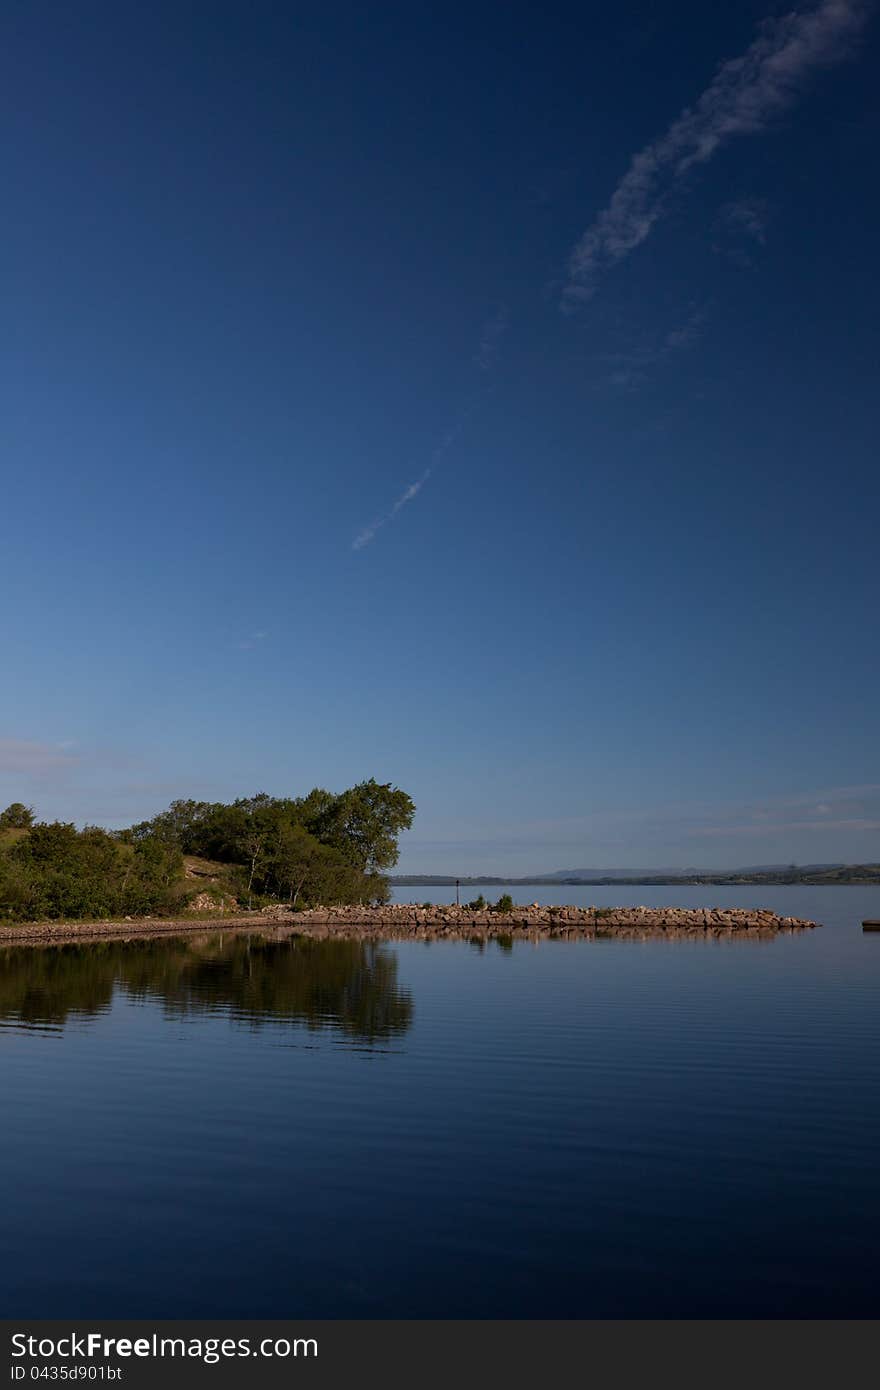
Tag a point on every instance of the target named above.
point(58, 871)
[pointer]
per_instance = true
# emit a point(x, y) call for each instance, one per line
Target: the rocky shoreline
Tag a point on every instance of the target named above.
point(408, 920)
point(402, 921)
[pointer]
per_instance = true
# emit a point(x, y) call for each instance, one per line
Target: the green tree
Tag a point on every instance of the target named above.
point(296, 862)
point(182, 825)
point(311, 810)
point(17, 817)
point(252, 842)
point(364, 822)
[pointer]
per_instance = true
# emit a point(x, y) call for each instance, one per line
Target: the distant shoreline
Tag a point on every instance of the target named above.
point(863, 875)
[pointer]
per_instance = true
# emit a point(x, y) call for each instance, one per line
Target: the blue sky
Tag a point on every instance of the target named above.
point(481, 400)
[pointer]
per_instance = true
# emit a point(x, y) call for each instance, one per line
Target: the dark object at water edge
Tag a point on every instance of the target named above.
point(872, 924)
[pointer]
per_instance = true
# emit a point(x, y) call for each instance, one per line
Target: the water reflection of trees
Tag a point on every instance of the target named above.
point(350, 986)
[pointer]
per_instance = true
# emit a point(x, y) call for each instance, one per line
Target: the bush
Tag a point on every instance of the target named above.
point(504, 903)
point(478, 904)
point(17, 817)
point(59, 871)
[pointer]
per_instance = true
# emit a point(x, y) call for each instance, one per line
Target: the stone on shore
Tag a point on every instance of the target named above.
point(402, 919)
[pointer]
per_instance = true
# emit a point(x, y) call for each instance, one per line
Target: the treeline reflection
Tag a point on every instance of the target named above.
point(348, 986)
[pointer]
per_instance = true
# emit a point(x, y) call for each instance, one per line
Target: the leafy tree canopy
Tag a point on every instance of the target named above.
point(320, 848)
point(361, 824)
point(364, 823)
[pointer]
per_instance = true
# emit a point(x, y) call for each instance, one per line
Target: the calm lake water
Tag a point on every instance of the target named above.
point(225, 1126)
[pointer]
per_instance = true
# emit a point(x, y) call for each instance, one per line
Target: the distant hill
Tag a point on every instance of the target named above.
point(769, 874)
point(677, 872)
point(590, 875)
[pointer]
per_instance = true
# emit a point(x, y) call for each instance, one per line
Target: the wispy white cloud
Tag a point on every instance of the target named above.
point(247, 644)
point(629, 365)
point(364, 537)
point(765, 831)
point(490, 341)
point(749, 216)
point(828, 808)
point(412, 491)
point(485, 360)
point(745, 94)
point(687, 333)
point(823, 823)
point(827, 811)
point(21, 757)
point(740, 230)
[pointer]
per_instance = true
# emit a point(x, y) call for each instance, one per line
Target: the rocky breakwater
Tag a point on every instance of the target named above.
point(400, 920)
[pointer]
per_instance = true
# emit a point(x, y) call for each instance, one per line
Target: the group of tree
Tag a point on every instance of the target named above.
point(55, 870)
point(323, 847)
point(320, 848)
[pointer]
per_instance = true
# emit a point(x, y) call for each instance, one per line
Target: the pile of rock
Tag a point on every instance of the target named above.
point(407, 920)
point(210, 902)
